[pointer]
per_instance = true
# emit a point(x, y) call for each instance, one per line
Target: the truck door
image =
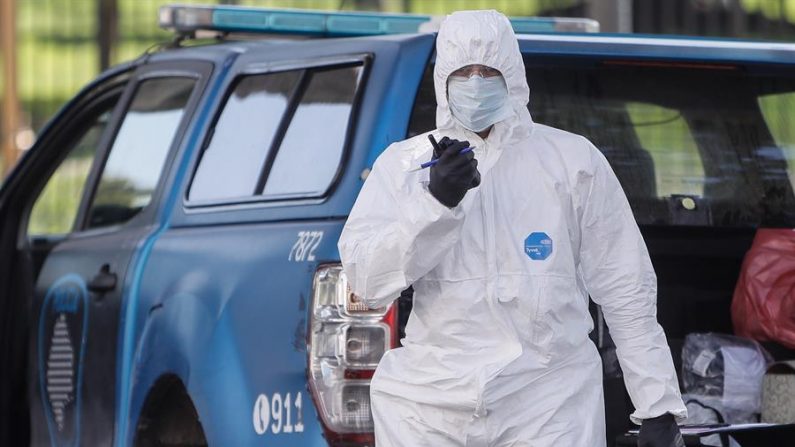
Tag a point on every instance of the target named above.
point(39, 201)
point(83, 281)
point(230, 280)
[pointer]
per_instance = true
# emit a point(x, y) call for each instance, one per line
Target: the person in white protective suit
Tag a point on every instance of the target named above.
point(503, 246)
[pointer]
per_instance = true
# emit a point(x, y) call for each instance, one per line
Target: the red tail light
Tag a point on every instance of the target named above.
point(346, 341)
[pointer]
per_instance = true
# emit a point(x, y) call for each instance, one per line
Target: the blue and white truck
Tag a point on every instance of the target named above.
point(197, 297)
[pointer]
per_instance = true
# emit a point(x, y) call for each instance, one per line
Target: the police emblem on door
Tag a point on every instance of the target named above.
point(62, 336)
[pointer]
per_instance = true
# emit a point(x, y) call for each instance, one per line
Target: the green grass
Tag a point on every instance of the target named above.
point(668, 139)
point(56, 208)
point(777, 110)
point(772, 9)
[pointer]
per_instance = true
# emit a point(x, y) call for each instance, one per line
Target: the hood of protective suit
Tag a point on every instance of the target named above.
point(486, 38)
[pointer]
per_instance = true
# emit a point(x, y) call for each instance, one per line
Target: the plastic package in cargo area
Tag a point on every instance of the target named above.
point(763, 307)
point(727, 370)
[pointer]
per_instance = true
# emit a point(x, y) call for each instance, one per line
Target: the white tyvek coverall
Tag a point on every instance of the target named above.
point(496, 349)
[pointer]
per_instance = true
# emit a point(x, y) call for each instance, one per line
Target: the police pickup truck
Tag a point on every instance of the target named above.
point(195, 295)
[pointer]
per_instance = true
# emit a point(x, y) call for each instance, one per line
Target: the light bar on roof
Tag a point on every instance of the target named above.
point(224, 18)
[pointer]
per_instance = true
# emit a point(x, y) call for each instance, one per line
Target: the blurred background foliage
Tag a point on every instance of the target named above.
point(63, 44)
point(59, 49)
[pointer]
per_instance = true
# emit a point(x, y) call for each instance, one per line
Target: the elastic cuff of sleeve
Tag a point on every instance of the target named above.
point(680, 416)
point(438, 206)
point(388, 281)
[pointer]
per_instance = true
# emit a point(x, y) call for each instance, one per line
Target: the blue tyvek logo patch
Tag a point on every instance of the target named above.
point(538, 246)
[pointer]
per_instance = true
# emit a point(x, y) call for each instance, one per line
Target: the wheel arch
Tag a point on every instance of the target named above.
point(168, 416)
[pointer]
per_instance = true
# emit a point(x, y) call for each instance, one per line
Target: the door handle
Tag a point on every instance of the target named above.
point(104, 281)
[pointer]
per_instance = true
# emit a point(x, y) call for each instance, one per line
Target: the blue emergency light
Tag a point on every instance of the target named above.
point(236, 19)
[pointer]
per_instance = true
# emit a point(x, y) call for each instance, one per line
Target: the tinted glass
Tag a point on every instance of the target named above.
point(690, 146)
point(777, 109)
point(665, 135)
point(310, 154)
point(232, 163)
point(139, 150)
point(56, 207)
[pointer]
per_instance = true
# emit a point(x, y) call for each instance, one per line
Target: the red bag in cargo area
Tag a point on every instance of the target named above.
point(763, 307)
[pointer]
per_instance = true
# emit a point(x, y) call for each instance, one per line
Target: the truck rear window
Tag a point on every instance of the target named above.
point(691, 144)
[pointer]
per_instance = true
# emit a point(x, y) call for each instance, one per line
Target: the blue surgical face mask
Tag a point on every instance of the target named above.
point(478, 102)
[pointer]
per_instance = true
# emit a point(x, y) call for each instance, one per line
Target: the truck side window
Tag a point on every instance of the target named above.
point(55, 209)
point(139, 150)
point(279, 135)
point(233, 160)
point(311, 151)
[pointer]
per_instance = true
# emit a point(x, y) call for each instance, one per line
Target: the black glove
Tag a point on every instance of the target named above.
point(454, 174)
point(661, 431)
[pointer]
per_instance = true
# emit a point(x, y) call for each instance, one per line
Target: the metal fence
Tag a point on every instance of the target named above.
point(755, 19)
point(63, 44)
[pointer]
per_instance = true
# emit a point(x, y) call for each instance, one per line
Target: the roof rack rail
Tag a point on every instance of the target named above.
point(187, 19)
